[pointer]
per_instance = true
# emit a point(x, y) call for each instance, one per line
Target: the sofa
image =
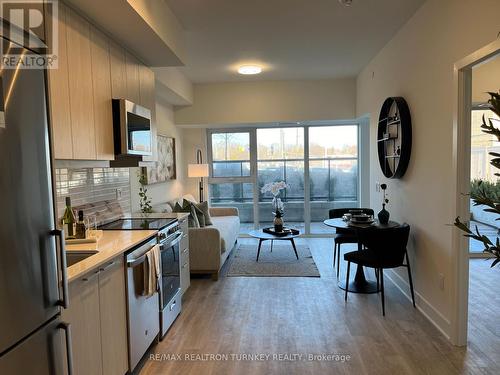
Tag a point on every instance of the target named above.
point(210, 246)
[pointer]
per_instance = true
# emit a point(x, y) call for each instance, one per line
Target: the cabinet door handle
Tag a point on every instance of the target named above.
point(173, 305)
point(69, 352)
point(102, 269)
point(64, 273)
point(88, 278)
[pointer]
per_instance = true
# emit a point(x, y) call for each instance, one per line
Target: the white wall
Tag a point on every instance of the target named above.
point(162, 192)
point(269, 101)
point(418, 65)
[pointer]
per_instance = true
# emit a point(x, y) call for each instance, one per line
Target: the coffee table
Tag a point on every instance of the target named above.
point(262, 236)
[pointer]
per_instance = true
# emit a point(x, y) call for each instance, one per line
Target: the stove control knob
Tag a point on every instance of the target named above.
point(162, 236)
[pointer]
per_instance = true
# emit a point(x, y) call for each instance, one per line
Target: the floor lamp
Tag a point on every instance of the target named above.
point(199, 170)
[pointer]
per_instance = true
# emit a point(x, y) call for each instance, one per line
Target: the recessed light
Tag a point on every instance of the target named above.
point(249, 69)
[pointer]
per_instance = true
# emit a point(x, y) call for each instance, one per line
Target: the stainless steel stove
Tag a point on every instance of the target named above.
point(169, 292)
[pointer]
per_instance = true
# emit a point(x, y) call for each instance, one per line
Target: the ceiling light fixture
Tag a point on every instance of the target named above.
point(347, 3)
point(249, 69)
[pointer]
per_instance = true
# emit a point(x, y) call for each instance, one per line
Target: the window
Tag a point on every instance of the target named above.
point(230, 154)
point(481, 146)
point(320, 161)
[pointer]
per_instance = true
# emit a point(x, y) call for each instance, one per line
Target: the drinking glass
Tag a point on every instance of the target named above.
point(91, 226)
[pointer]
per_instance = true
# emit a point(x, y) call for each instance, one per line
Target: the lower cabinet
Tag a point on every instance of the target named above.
point(97, 314)
point(184, 257)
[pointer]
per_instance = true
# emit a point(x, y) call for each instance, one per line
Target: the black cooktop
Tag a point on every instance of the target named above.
point(137, 224)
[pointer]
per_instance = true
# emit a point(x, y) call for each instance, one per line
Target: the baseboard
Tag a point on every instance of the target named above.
point(433, 315)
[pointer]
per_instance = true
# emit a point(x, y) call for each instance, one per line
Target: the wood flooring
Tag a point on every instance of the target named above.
point(308, 316)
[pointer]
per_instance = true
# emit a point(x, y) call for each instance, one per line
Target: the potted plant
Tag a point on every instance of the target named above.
point(275, 188)
point(481, 195)
point(144, 200)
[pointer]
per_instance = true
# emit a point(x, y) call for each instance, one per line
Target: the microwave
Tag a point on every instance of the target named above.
point(131, 128)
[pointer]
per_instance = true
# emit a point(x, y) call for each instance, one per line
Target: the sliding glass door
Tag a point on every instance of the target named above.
point(232, 173)
point(280, 157)
point(319, 163)
point(333, 171)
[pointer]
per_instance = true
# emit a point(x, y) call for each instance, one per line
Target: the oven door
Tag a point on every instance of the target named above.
point(170, 268)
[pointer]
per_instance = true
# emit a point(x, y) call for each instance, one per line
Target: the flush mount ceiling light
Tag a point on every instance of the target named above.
point(249, 69)
point(347, 3)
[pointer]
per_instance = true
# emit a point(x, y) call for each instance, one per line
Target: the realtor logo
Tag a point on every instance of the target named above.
point(29, 25)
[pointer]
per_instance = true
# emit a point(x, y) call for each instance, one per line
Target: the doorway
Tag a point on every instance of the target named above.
point(462, 152)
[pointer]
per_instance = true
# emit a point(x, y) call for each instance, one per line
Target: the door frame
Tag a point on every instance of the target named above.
point(462, 91)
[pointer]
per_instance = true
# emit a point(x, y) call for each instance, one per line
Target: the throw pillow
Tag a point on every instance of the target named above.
point(196, 212)
point(203, 206)
point(192, 218)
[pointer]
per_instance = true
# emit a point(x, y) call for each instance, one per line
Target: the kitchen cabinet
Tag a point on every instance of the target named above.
point(112, 302)
point(132, 70)
point(80, 86)
point(58, 88)
point(101, 88)
point(83, 315)
point(92, 69)
point(147, 99)
point(97, 314)
point(147, 87)
point(118, 70)
point(184, 249)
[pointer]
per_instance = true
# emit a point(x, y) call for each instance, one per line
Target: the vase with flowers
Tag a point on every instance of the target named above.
point(383, 215)
point(275, 189)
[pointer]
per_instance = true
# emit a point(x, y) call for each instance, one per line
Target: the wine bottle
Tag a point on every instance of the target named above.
point(68, 220)
point(80, 226)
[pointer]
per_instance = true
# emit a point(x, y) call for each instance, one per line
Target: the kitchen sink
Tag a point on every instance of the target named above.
point(73, 258)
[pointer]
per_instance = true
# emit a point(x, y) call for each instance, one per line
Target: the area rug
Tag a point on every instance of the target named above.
point(281, 262)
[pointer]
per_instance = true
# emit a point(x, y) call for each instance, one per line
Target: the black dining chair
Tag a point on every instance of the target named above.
point(341, 236)
point(385, 248)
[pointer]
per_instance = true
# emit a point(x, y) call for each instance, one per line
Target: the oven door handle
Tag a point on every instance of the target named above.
point(169, 243)
point(131, 263)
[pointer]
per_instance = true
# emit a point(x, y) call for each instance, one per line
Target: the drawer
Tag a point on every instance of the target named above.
point(184, 256)
point(184, 240)
point(185, 276)
point(184, 225)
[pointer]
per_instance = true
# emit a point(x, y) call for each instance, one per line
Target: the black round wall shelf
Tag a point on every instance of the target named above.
point(394, 137)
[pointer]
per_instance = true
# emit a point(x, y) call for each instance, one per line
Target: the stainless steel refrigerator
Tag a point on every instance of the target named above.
point(33, 284)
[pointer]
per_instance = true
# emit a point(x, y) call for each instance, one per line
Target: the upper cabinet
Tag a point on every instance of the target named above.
point(132, 69)
point(92, 69)
point(59, 95)
point(101, 83)
point(80, 87)
point(118, 71)
point(147, 99)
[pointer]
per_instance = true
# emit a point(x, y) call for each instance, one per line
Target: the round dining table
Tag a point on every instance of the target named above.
point(360, 284)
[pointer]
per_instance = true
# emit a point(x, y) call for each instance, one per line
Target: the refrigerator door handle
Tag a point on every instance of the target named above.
point(66, 327)
point(64, 274)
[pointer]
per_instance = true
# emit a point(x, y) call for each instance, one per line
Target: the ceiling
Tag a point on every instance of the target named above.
point(291, 39)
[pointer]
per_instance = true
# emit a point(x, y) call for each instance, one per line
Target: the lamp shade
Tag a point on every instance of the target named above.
point(198, 170)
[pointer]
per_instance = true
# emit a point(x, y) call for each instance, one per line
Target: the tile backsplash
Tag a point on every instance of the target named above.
point(91, 185)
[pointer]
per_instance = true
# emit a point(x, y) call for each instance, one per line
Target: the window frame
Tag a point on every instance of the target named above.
point(362, 158)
